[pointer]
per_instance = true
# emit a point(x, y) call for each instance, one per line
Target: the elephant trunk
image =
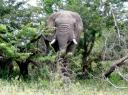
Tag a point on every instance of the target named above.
point(54, 40)
point(73, 39)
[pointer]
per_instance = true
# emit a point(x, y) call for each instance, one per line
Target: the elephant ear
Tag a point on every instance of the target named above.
point(51, 19)
point(79, 23)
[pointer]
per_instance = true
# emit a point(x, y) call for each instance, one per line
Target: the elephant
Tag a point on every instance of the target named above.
point(68, 26)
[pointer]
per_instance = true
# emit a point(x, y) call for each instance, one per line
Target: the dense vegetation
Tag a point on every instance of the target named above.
point(24, 39)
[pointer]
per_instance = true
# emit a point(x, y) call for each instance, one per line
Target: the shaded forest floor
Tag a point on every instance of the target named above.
point(57, 87)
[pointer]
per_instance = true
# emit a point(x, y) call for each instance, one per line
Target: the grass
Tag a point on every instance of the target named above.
point(57, 87)
point(45, 83)
point(38, 85)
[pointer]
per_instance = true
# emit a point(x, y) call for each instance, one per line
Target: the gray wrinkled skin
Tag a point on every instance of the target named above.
point(68, 26)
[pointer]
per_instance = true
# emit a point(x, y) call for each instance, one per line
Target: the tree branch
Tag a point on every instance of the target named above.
point(118, 63)
point(115, 21)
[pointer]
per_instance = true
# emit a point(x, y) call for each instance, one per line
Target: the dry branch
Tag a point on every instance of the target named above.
point(118, 63)
point(115, 20)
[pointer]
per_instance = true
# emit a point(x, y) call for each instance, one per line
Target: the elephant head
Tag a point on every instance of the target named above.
point(68, 26)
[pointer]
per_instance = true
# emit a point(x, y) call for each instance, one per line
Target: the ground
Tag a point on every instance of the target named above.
point(57, 87)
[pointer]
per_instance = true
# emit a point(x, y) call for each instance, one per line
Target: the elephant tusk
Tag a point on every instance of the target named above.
point(74, 41)
point(53, 41)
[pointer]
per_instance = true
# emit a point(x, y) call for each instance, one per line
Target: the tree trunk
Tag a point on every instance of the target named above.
point(88, 46)
point(23, 68)
point(118, 63)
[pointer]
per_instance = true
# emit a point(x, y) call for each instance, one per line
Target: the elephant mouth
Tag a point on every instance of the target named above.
point(73, 40)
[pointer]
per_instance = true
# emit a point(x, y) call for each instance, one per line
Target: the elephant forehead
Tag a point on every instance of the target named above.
point(63, 26)
point(62, 34)
point(64, 19)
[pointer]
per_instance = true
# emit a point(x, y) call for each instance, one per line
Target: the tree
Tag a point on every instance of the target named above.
point(104, 27)
point(18, 33)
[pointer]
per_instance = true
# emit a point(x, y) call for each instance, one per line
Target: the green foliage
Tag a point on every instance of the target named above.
point(7, 45)
point(46, 58)
point(3, 9)
point(93, 25)
point(48, 5)
point(3, 29)
point(25, 35)
point(7, 50)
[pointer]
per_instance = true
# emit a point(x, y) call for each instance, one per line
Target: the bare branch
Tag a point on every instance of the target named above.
point(118, 63)
point(115, 21)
